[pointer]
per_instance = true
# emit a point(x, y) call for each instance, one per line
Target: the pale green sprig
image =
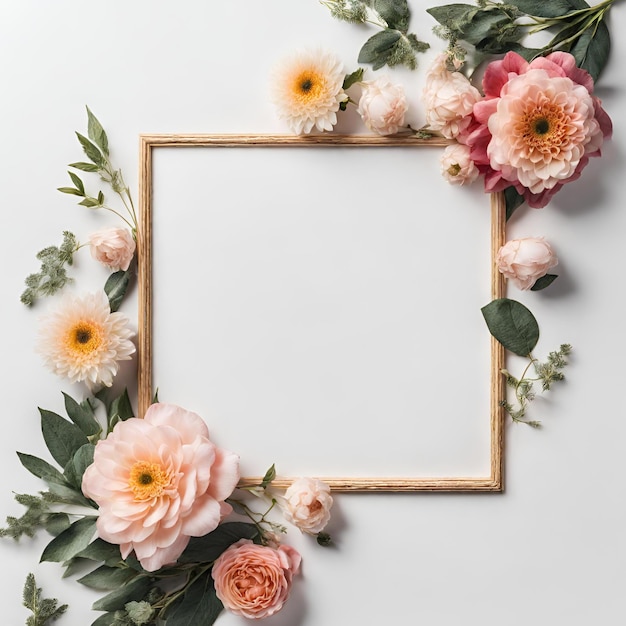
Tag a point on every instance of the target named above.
point(53, 274)
point(352, 11)
point(36, 516)
point(548, 373)
point(44, 610)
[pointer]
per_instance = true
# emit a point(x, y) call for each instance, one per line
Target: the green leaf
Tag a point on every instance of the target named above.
point(544, 281)
point(591, 50)
point(78, 183)
point(57, 523)
point(513, 200)
point(100, 550)
point(67, 495)
point(136, 589)
point(82, 415)
point(107, 578)
point(115, 288)
point(71, 191)
point(106, 619)
point(199, 606)
point(353, 78)
point(121, 407)
point(84, 167)
point(71, 541)
point(96, 132)
point(40, 468)
point(453, 16)
point(379, 47)
point(269, 476)
point(62, 437)
point(91, 151)
point(395, 12)
point(549, 8)
point(512, 324)
point(75, 469)
point(208, 548)
point(90, 203)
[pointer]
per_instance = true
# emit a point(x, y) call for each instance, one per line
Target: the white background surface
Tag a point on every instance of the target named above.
point(550, 550)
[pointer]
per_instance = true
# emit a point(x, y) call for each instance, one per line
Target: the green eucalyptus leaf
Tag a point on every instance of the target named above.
point(208, 548)
point(106, 619)
point(199, 605)
point(353, 78)
point(84, 167)
point(512, 324)
point(91, 150)
point(591, 50)
point(485, 26)
point(136, 589)
point(82, 415)
point(453, 16)
point(57, 523)
point(100, 550)
point(513, 200)
point(395, 12)
point(379, 47)
point(71, 191)
point(67, 494)
point(80, 462)
point(63, 438)
point(107, 578)
point(548, 8)
point(96, 132)
point(121, 408)
point(90, 203)
point(40, 468)
point(115, 288)
point(78, 183)
point(71, 541)
point(544, 281)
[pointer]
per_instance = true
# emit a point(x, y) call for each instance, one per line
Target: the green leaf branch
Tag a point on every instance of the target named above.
point(44, 610)
point(516, 328)
point(393, 44)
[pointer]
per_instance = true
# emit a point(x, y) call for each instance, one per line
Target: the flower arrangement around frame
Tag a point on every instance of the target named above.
point(150, 502)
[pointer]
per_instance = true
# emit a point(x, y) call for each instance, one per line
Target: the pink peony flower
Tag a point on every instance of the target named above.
point(113, 247)
point(307, 503)
point(159, 481)
point(254, 581)
point(457, 166)
point(537, 126)
point(525, 260)
point(382, 105)
point(449, 99)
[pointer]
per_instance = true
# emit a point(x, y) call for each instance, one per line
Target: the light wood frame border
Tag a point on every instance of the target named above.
point(148, 143)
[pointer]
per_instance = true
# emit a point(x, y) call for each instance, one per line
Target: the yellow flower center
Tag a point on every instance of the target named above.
point(544, 127)
point(307, 86)
point(84, 337)
point(147, 480)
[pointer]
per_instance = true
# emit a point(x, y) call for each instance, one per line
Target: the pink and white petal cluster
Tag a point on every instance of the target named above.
point(113, 247)
point(382, 105)
point(537, 126)
point(449, 98)
point(159, 481)
point(254, 581)
point(307, 503)
point(457, 166)
point(523, 261)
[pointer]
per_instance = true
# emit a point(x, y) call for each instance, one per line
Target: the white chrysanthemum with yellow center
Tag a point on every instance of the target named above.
point(542, 129)
point(307, 91)
point(83, 341)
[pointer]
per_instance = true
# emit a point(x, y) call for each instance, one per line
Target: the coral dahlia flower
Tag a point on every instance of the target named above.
point(159, 481)
point(537, 126)
point(83, 341)
point(308, 89)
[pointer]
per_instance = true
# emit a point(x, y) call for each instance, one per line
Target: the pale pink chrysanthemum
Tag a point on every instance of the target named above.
point(159, 481)
point(308, 89)
point(83, 341)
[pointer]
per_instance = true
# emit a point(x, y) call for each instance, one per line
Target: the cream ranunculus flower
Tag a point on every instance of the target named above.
point(457, 166)
point(83, 341)
point(306, 504)
point(382, 105)
point(254, 581)
point(113, 247)
point(308, 89)
point(523, 261)
point(159, 481)
point(449, 99)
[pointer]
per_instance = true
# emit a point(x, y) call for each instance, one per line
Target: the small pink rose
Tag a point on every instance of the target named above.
point(254, 581)
point(525, 260)
point(113, 247)
point(307, 503)
point(382, 105)
point(457, 166)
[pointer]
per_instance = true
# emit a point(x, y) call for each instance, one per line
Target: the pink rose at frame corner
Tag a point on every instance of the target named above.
point(535, 128)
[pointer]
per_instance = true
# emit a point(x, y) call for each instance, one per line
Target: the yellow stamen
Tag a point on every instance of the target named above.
point(147, 480)
point(307, 85)
point(544, 127)
point(84, 337)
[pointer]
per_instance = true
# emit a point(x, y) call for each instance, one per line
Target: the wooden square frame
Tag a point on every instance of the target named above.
point(149, 143)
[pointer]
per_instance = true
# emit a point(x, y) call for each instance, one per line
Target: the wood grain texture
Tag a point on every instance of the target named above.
point(148, 143)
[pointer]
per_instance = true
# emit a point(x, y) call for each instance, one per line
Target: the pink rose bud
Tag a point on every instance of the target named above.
point(525, 260)
point(113, 247)
point(307, 504)
point(456, 165)
point(382, 106)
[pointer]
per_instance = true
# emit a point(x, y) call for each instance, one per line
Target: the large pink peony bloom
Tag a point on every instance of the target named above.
point(254, 581)
point(159, 481)
point(537, 126)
